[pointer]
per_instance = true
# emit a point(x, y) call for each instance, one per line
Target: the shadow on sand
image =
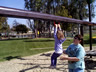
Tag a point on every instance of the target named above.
point(44, 66)
point(34, 66)
point(90, 65)
point(13, 57)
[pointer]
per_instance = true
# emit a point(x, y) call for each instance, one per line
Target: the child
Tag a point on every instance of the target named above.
point(59, 39)
point(76, 55)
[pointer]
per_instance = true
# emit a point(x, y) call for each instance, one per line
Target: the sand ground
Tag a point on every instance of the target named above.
point(41, 63)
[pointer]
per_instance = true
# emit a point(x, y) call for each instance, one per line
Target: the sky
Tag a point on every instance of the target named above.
point(19, 4)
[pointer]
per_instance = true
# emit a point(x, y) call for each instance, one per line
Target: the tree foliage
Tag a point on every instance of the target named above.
point(4, 27)
point(77, 9)
point(64, 12)
point(21, 28)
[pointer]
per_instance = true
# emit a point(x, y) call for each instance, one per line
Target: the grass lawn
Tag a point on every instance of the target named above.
point(23, 47)
point(86, 39)
point(10, 49)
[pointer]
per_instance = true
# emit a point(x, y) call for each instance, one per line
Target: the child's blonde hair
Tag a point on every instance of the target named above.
point(60, 34)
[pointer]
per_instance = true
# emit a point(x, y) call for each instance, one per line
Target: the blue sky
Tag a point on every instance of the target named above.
point(19, 4)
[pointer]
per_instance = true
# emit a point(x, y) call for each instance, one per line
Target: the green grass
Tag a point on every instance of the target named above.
point(23, 47)
point(14, 48)
point(86, 39)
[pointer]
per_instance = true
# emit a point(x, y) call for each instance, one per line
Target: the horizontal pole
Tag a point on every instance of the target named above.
point(18, 13)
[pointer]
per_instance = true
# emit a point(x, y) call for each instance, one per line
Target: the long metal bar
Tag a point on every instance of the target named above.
point(18, 13)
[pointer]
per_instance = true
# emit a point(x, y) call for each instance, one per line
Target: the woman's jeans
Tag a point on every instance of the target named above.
point(76, 70)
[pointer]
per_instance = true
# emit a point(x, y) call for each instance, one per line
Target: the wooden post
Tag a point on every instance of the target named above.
point(90, 34)
point(90, 29)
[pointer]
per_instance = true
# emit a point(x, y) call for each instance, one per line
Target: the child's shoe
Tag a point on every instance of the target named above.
point(52, 67)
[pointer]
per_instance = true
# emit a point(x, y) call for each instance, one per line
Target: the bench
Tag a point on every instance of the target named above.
point(91, 53)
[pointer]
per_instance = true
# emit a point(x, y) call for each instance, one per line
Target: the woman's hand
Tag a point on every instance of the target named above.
point(69, 58)
point(64, 57)
point(64, 51)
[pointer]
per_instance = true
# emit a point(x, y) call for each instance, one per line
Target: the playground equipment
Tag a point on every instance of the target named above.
point(18, 13)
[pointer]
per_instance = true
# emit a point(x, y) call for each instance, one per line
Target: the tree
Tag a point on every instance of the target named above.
point(78, 9)
point(15, 23)
point(4, 27)
point(33, 5)
point(75, 8)
point(21, 28)
point(64, 12)
point(31, 25)
point(44, 6)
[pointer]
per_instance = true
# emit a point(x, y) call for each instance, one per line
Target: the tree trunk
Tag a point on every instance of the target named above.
point(36, 33)
point(78, 28)
point(49, 30)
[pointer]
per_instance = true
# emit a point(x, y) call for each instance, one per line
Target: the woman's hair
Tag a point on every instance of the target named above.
point(60, 34)
point(79, 37)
